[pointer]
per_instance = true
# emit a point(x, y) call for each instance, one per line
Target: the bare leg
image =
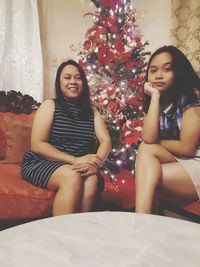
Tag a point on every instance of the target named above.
point(89, 193)
point(157, 169)
point(69, 187)
point(176, 181)
point(148, 174)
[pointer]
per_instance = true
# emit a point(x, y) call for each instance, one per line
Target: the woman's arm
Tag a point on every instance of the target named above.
point(41, 131)
point(102, 136)
point(189, 134)
point(104, 148)
point(150, 131)
point(88, 164)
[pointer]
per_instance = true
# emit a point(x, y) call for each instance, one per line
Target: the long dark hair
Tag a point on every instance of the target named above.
point(185, 78)
point(84, 100)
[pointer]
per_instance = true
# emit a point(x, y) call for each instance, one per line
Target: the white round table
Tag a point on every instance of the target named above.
point(102, 239)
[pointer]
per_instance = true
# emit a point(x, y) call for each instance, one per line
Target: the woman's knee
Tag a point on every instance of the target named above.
point(148, 148)
point(65, 178)
point(144, 151)
point(148, 151)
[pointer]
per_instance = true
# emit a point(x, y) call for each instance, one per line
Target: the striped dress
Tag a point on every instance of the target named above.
point(70, 134)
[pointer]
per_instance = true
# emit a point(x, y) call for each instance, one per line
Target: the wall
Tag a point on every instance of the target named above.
point(63, 24)
point(155, 21)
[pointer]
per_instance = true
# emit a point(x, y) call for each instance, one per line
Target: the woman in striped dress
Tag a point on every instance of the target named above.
point(69, 143)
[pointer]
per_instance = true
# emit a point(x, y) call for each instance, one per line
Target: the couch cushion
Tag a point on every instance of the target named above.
point(21, 200)
point(15, 133)
point(192, 207)
point(182, 206)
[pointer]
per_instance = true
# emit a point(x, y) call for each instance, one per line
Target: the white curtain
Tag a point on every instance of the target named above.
point(21, 67)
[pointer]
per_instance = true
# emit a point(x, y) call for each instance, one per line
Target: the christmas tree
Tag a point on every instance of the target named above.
point(113, 56)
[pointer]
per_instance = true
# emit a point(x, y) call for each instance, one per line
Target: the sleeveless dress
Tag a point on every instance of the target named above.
point(170, 126)
point(71, 134)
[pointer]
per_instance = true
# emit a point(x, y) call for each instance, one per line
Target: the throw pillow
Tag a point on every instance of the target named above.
point(16, 136)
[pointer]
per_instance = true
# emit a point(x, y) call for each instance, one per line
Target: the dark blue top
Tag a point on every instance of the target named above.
point(71, 133)
point(171, 117)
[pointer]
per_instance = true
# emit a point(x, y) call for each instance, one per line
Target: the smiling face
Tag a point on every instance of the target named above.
point(160, 72)
point(70, 82)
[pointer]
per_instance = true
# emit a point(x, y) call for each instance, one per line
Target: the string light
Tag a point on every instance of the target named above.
point(133, 70)
point(119, 162)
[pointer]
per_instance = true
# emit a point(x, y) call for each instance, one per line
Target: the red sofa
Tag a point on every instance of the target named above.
point(21, 201)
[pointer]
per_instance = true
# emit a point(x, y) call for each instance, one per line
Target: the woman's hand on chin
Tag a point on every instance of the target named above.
point(150, 90)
